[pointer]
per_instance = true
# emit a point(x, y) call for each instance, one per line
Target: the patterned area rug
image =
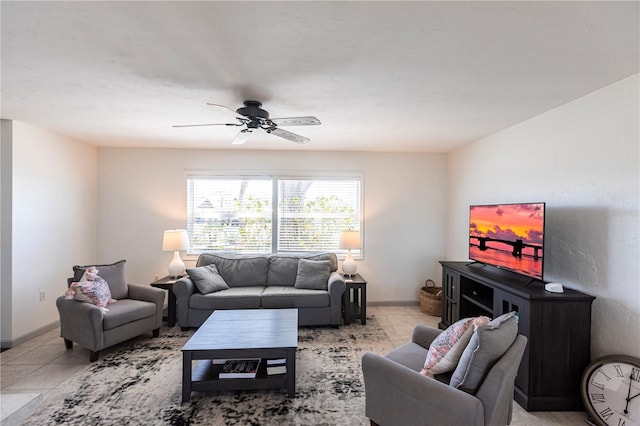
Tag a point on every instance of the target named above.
point(140, 384)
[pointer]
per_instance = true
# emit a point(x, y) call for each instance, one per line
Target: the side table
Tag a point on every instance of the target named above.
point(167, 283)
point(354, 300)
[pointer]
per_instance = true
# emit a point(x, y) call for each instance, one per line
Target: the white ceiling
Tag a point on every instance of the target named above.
point(381, 76)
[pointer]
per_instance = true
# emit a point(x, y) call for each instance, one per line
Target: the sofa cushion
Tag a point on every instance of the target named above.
point(410, 355)
point(313, 274)
point(238, 270)
point(127, 310)
point(112, 273)
point(290, 297)
point(488, 343)
point(331, 257)
point(283, 268)
point(207, 278)
point(232, 298)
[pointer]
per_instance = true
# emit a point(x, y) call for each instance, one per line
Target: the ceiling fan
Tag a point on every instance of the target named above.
point(253, 117)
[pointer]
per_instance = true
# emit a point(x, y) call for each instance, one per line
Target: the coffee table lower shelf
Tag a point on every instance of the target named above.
point(204, 378)
point(201, 375)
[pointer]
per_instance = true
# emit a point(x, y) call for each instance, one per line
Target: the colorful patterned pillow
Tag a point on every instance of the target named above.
point(96, 292)
point(446, 349)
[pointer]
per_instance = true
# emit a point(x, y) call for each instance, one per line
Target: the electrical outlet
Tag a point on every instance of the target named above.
point(43, 295)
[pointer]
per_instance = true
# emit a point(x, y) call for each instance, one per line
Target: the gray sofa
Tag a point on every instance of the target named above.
point(262, 281)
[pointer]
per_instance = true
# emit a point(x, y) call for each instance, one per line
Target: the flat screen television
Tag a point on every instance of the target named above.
point(508, 236)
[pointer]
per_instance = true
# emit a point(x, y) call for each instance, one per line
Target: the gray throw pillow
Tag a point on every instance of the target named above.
point(207, 279)
point(486, 346)
point(313, 274)
point(112, 273)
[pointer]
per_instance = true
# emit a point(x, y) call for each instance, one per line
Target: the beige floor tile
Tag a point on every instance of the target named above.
point(33, 354)
point(546, 418)
point(46, 377)
point(10, 374)
point(47, 338)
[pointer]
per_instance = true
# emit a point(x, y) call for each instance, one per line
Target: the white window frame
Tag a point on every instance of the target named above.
point(275, 177)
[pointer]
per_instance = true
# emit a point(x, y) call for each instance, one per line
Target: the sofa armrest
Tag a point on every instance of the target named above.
point(146, 293)
point(149, 294)
point(183, 289)
point(336, 284)
point(496, 391)
point(336, 287)
point(81, 322)
point(423, 335)
point(397, 395)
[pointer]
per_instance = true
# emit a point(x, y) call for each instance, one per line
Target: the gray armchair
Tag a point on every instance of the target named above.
point(138, 310)
point(397, 394)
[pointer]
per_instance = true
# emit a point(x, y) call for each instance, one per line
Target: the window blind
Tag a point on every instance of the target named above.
point(265, 214)
point(229, 214)
point(312, 212)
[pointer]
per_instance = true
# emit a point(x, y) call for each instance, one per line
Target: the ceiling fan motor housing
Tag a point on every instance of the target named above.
point(252, 109)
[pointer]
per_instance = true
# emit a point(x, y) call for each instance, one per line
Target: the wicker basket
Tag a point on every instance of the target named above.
point(431, 299)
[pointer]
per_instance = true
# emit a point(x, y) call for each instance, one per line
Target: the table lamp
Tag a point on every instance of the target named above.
point(175, 240)
point(349, 240)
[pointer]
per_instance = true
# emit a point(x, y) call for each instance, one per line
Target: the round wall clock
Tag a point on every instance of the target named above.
point(610, 390)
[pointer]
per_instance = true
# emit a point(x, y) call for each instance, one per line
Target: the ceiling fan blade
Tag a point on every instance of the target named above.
point(241, 137)
point(296, 121)
point(227, 108)
point(289, 136)
point(208, 124)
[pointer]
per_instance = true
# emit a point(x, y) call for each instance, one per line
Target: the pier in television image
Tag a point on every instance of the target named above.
point(509, 236)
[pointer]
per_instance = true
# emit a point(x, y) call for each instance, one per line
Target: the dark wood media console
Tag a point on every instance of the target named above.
point(558, 326)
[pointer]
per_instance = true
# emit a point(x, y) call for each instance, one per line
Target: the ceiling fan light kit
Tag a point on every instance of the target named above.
point(241, 137)
point(252, 116)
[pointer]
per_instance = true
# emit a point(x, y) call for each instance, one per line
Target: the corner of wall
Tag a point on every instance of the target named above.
point(6, 166)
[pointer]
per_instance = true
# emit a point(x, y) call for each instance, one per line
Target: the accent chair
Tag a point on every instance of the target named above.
point(398, 394)
point(138, 310)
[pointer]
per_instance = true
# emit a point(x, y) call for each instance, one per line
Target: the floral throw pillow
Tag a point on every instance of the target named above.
point(446, 349)
point(96, 292)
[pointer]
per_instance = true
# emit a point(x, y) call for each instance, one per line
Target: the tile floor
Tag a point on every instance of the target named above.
point(42, 366)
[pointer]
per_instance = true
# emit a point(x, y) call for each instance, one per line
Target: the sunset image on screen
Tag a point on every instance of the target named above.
point(508, 236)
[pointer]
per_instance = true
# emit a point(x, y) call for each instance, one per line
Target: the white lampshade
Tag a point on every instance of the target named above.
point(175, 240)
point(349, 240)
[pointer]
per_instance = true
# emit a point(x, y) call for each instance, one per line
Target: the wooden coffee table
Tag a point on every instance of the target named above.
point(243, 333)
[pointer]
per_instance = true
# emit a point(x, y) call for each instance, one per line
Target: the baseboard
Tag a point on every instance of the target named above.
point(396, 303)
point(8, 344)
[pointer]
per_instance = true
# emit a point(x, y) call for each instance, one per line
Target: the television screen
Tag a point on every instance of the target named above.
point(508, 236)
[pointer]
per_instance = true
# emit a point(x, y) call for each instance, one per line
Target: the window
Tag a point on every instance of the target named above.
point(312, 212)
point(229, 214)
point(270, 214)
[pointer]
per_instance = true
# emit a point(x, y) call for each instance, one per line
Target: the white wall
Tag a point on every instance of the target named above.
point(53, 221)
point(142, 192)
point(582, 160)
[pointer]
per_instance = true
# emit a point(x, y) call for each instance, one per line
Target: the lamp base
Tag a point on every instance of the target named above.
point(349, 266)
point(176, 267)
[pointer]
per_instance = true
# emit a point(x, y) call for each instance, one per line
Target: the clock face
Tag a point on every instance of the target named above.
point(611, 390)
